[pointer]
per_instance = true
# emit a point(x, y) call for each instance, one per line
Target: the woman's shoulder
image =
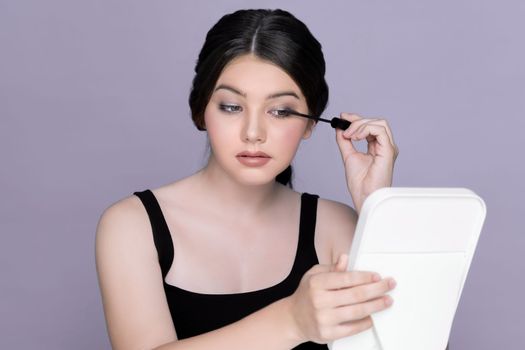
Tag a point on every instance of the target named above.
point(336, 222)
point(329, 212)
point(122, 223)
point(335, 209)
point(131, 205)
point(128, 217)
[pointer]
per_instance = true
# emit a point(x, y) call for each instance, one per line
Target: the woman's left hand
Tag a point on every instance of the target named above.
point(367, 172)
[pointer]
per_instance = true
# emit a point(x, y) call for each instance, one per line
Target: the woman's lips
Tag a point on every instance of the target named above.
point(253, 161)
point(253, 154)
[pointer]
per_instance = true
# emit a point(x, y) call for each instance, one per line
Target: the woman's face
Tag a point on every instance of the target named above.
point(242, 115)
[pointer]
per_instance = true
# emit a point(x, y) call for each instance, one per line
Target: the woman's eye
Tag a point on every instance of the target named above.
point(230, 108)
point(280, 113)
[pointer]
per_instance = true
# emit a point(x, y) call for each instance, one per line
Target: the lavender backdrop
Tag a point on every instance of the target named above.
point(93, 107)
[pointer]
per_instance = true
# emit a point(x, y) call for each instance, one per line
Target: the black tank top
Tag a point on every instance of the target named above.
point(196, 313)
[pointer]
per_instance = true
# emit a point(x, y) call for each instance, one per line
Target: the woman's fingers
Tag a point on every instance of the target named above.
point(350, 328)
point(377, 133)
point(354, 119)
point(360, 293)
point(331, 302)
point(357, 123)
point(361, 310)
point(338, 279)
point(358, 130)
point(341, 264)
point(363, 293)
point(385, 124)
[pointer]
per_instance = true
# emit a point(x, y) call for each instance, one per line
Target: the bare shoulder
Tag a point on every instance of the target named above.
point(129, 215)
point(125, 213)
point(336, 222)
point(125, 224)
point(130, 279)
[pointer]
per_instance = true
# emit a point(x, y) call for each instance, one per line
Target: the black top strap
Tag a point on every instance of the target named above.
point(307, 229)
point(161, 232)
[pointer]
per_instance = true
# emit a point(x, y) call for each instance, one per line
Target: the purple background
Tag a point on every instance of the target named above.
point(93, 106)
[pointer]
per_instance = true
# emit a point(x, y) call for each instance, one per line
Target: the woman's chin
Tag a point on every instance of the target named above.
point(254, 181)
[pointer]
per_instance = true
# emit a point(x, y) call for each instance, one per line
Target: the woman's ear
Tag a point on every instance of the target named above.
point(309, 129)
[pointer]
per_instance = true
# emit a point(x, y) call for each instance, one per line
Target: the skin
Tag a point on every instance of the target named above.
point(248, 217)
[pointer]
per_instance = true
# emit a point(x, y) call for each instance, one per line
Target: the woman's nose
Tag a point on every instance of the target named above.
point(254, 129)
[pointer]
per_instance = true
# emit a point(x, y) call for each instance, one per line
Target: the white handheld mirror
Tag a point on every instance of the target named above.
point(425, 239)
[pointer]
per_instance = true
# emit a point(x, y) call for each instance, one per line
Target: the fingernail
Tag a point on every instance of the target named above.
point(391, 283)
point(388, 300)
point(376, 277)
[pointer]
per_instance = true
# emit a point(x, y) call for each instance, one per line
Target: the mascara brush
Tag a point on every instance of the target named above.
point(336, 123)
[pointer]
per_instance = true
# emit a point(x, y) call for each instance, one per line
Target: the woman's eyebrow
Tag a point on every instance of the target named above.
point(243, 94)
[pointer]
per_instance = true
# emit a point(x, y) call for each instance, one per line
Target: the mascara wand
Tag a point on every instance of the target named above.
point(336, 123)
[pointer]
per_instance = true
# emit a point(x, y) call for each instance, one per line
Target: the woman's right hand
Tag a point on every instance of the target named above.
point(332, 303)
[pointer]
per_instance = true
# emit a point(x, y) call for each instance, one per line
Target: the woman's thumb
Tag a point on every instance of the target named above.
point(341, 264)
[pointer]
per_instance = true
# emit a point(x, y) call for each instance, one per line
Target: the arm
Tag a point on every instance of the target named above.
point(336, 223)
point(135, 306)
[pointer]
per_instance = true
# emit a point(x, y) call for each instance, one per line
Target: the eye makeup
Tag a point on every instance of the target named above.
point(229, 108)
point(280, 112)
point(336, 123)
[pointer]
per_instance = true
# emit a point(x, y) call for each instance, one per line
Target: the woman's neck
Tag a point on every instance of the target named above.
point(248, 201)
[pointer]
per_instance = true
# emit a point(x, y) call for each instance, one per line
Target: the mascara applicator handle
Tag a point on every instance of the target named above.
point(338, 123)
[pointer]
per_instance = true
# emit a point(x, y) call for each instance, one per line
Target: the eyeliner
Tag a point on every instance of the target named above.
point(336, 123)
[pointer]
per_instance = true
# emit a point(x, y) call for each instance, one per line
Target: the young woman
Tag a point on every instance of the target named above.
point(231, 257)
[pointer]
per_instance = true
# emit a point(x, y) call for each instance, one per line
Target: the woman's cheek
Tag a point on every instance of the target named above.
point(218, 131)
point(290, 138)
point(221, 139)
